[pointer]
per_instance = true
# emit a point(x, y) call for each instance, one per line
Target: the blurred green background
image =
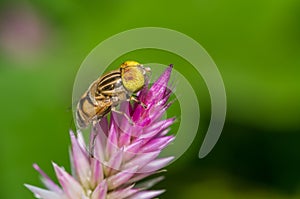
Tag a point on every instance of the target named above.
point(255, 44)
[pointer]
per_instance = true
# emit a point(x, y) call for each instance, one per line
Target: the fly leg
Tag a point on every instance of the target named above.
point(94, 134)
point(124, 114)
point(92, 144)
point(134, 98)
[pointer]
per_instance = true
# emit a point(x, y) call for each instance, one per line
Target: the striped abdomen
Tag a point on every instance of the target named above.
point(96, 102)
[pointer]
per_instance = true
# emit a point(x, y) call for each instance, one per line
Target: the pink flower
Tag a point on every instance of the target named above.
point(124, 153)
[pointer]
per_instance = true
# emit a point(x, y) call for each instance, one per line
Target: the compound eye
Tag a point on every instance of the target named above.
point(133, 78)
point(129, 64)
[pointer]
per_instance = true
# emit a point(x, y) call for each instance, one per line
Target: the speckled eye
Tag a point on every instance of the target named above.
point(133, 78)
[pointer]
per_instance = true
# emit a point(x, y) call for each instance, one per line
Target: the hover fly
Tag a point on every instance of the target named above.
point(109, 90)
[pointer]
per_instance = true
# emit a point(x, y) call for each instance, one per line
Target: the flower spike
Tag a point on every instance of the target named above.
point(124, 154)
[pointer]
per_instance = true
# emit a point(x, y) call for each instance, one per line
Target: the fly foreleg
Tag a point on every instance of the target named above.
point(134, 98)
point(124, 114)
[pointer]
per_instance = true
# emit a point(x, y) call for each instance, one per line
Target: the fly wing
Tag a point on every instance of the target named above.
point(103, 107)
point(91, 109)
point(85, 110)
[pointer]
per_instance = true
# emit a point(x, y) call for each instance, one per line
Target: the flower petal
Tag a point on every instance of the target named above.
point(80, 139)
point(156, 113)
point(112, 141)
point(153, 96)
point(146, 194)
point(114, 163)
point(122, 193)
point(100, 146)
point(100, 191)
point(45, 194)
point(156, 128)
point(120, 178)
point(124, 126)
point(133, 149)
point(139, 176)
point(149, 183)
point(125, 133)
point(70, 186)
point(157, 143)
point(156, 165)
point(164, 132)
point(47, 181)
point(81, 162)
point(158, 89)
point(141, 160)
point(97, 172)
point(103, 126)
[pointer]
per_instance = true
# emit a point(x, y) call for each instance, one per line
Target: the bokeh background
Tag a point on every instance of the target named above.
point(255, 44)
